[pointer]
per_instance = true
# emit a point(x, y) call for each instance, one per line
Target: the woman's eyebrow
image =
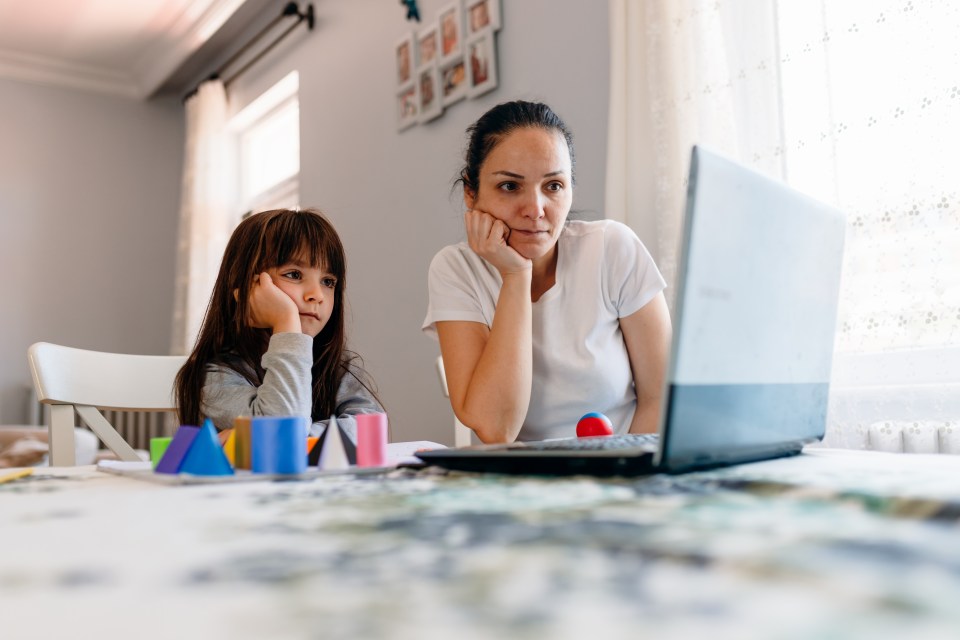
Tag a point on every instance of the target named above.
point(510, 174)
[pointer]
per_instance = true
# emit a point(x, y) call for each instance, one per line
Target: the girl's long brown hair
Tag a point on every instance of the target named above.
point(263, 241)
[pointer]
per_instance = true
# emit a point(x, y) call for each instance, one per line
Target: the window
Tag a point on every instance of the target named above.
point(268, 148)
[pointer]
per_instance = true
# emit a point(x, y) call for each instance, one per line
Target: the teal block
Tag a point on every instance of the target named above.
point(206, 456)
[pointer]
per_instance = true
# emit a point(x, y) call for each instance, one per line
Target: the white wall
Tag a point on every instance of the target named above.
point(89, 194)
point(389, 193)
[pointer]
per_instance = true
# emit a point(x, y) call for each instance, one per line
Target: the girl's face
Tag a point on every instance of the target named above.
point(526, 182)
point(311, 288)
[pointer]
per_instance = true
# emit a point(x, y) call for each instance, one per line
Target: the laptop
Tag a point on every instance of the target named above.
point(757, 289)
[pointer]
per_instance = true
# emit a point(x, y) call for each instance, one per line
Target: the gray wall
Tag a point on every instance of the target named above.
point(89, 194)
point(389, 193)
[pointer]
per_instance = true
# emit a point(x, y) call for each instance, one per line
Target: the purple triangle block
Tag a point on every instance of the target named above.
point(205, 456)
point(177, 450)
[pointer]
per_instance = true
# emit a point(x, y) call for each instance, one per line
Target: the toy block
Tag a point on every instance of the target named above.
point(242, 442)
point(230, 447)
point(349, 449)
point(205, 456)
point(371, 440)
point(158, 446)
point(333, 457)
point(177, 449)
point(279, 445)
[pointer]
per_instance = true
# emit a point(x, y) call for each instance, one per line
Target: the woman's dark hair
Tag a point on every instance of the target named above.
point(493, 126)
point(263, 241)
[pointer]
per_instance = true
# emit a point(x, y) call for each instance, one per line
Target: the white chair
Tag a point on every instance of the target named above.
point(461, 433)
point(70, 379)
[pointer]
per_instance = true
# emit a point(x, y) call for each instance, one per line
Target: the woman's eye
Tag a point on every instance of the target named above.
point(555, 186)
point(329, 283)
point(508, 186)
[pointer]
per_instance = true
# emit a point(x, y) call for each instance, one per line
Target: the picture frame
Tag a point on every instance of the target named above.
point(428, 45)
point(481, 15)
point(408, 106)
point(481, 63)
point(453, 81)
point(450, 24)
point(430, 96)
point(403, 53)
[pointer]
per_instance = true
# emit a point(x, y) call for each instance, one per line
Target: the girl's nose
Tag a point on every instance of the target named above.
point(313, 293)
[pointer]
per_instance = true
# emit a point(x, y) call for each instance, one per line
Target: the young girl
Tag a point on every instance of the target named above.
point(272, 342)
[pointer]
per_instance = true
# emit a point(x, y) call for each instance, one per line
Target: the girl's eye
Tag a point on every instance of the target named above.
point(329, 283)
point(293, 275)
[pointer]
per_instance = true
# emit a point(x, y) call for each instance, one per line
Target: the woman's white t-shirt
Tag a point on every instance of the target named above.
point(580, 362)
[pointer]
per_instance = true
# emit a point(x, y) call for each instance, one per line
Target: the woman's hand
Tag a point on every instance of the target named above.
point(488, 238)
point(271, 308)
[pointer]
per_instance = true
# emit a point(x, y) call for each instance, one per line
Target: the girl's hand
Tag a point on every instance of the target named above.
point(270, 308)
point(488, 238)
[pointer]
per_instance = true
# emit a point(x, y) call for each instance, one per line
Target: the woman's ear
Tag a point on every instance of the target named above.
point(469, 197)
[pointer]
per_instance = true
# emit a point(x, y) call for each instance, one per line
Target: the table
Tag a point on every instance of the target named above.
point(830, 544)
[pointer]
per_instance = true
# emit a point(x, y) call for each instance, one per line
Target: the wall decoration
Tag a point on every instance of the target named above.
point(404, 59)
point(481, 65)
point(408, 106)
point(431, 100)
point(451, 31)
point(482, 15)
point(453, 80)
point(452, 57)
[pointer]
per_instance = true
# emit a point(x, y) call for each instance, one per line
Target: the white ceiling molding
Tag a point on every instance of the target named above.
point(78, 57)
point(60, 73)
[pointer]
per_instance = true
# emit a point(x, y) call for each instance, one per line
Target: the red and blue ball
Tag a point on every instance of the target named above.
point(594, 424)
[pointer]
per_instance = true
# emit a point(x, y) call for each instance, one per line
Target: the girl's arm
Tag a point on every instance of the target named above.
point(647, 334)
point(285, 390)
point(490, 369)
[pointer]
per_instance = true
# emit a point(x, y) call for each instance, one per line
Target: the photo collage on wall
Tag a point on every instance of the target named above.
point(446, 59)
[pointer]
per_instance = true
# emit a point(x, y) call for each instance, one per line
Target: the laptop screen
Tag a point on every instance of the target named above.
point(756, 309)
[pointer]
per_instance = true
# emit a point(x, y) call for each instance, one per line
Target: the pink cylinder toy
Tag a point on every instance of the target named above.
point(371, 440)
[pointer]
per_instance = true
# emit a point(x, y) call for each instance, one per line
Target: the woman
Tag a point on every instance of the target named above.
point(541, 319)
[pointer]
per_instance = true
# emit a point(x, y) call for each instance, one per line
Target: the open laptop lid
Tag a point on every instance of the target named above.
point(758, 282)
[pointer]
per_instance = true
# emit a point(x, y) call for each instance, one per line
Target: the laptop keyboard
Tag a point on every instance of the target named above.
point(625, 441)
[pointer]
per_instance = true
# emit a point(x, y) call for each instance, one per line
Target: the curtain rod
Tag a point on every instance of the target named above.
point(291, 9)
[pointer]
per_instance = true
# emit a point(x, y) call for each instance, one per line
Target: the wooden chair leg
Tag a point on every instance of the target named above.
point(62, 447)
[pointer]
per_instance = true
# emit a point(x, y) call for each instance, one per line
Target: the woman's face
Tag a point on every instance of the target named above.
point(526, 183)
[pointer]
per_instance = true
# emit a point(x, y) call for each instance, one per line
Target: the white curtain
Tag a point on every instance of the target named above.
point(854, 102)
point(207, 209)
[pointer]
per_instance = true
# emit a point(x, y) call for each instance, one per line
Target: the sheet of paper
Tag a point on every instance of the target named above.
point(403, 452)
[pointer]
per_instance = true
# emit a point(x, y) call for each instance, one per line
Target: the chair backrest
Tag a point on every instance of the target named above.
point(462, 435)
point(68, 379)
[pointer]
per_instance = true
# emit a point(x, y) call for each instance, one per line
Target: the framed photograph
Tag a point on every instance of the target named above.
point(404, 54)
point(428, 45)
point(453, 81)
point(481, 65)
point(481, 15)
point(451, 31)
point(408, 106)
point(431, 100)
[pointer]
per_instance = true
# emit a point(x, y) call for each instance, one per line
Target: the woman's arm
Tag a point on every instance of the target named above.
point(490, 370)
point(647, 334)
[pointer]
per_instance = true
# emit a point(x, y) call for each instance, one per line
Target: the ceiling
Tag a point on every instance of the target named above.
point(123, 47)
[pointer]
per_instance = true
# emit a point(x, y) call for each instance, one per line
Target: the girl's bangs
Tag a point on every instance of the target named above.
point(305, 237)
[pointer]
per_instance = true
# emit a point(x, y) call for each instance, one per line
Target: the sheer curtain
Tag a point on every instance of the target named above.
point(206, 210)
point(854, 102)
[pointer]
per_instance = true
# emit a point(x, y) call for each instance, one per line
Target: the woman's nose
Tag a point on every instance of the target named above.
point(533, 206)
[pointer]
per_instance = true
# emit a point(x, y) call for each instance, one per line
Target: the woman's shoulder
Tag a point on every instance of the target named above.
point(603, 231)
point(460, 259)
